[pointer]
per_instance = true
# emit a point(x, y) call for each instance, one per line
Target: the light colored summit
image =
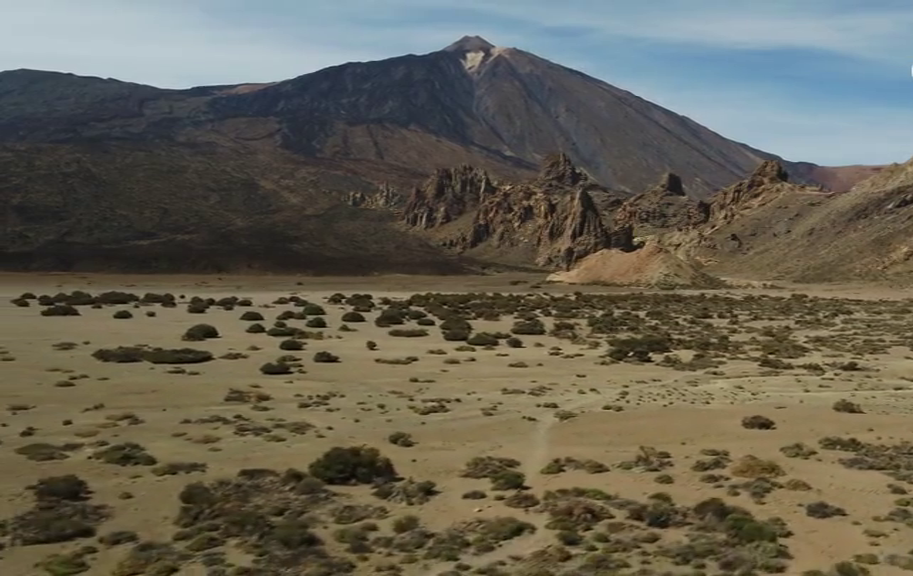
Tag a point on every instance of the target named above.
point(475, 51)
point(470, 44)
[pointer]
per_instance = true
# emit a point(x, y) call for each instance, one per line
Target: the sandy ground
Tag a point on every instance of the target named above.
point(491, 413)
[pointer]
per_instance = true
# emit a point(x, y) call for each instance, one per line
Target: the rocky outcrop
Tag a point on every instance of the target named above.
point(764, 184)
point(664, 207)
point(550, 222)
point(386, 198)
point(559, 170)
point(447, 195)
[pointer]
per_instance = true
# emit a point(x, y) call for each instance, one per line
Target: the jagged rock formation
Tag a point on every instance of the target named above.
point(447, 195)
point(763, 185)
point(386, 198)
point(662, 208)
point(550, 222)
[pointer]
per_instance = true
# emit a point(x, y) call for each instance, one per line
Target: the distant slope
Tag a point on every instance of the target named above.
point(767, 227)
point(181, 208)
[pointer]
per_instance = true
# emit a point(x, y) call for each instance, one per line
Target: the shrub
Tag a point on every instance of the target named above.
point(252, 316)
point(533, 327)
point(120, 355)
point(455, 335)
point(291, 345)
point(69, 487)
point(316, 322)
point(507, 480)
point(456, 323)
point(403, 439)
point(256, 329)
point(758, 423)
point(353, 317)
point(313, 310)
point(176, 356)
point(200, 332)
point(482, 339)
point(21, 302)
point(325, 357)
point(123, 315)
point(283, 331)
point(352, 465)
point(408, 332)
point(126, 454)
point(275, 368)
point(847, 407)
point(197, 308)
point(60, 310)
point(474, 495)
point(405, 524)
point(389, 317)
point(754, 467)
point(514, 342)
point(823, 510)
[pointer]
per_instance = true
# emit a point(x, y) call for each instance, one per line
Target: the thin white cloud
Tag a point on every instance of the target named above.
point(871, 32)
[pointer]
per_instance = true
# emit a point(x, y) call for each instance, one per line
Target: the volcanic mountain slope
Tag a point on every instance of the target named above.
point(551, 221)
point(500, 109)
point(192, 208)
point(98, 173)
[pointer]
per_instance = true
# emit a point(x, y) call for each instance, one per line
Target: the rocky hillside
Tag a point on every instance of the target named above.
point(136, 208)
point(767, 227)
point(550, 221)
point(764, 227)
point(313, 173)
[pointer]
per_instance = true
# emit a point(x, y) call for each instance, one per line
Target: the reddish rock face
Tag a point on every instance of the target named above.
point(664, 207)
point(551, 221)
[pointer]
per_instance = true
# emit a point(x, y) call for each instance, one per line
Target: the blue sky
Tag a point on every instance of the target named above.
point(827, 81)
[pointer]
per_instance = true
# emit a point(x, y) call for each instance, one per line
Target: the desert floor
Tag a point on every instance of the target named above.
point(618, 436)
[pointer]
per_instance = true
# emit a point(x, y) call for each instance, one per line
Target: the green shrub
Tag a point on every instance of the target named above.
point(291, 345)
point(408, 332)
point(123, 315)
point(353, 465)
point(252, 316)
point(316, 322)
point(482, 339)
point(514, 342)
point(534, 327)
point(60, 310)
point(176, 356)
point(403, 439)
point(275, 369)
point(325, 357)
point(353, 317)
point(200, 332)
point(313, 310)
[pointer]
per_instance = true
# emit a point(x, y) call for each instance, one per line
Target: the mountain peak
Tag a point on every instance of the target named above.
point(470, 44)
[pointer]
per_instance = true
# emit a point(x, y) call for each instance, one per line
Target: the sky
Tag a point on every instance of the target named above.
point(824, 81)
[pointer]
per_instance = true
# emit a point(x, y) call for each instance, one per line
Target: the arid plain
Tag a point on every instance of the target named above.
point(530, 429)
